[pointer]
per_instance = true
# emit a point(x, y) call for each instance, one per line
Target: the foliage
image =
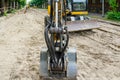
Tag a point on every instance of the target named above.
point(113, 15)
point(22, 2)
point(5, 13)
point(113, 5)
point(37, 3)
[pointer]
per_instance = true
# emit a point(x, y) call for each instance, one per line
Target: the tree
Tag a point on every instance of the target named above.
point(38, 3)
point(113, 14)
point(22, 2)
point(113, 5)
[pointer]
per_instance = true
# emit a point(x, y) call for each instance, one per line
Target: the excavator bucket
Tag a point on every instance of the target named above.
point(82, 25)
point(70, 58)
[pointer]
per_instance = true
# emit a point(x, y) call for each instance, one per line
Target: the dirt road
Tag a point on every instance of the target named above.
point(21, 38)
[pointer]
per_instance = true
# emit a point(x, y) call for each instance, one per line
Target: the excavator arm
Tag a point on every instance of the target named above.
point(57, 60)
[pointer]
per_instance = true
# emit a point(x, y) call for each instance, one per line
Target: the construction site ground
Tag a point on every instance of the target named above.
point(22, 37)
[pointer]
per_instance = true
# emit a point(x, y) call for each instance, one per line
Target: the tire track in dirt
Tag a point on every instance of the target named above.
point(109, 39)
point(110, 31)
point(98, 52)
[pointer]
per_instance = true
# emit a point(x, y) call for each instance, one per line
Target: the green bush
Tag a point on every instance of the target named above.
point(5, 13)
point(37, 3)
point(113, 4)
point(22, 2)
point(113, 15)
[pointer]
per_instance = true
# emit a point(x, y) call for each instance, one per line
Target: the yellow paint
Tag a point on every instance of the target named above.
point(80, 13)
point(49, 9)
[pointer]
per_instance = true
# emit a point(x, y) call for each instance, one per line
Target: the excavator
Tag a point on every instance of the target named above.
point(75, 15)
point(58, 60)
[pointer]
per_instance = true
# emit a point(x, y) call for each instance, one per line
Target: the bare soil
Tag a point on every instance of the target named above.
point(22, 37)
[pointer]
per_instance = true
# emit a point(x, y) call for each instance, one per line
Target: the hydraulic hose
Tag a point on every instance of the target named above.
point(46, 38)
point(67, 34)
point(50, 45)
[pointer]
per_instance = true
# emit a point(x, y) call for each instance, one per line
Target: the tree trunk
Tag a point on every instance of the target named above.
point(10, 4)
point(3, 7)
point(14, 4)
